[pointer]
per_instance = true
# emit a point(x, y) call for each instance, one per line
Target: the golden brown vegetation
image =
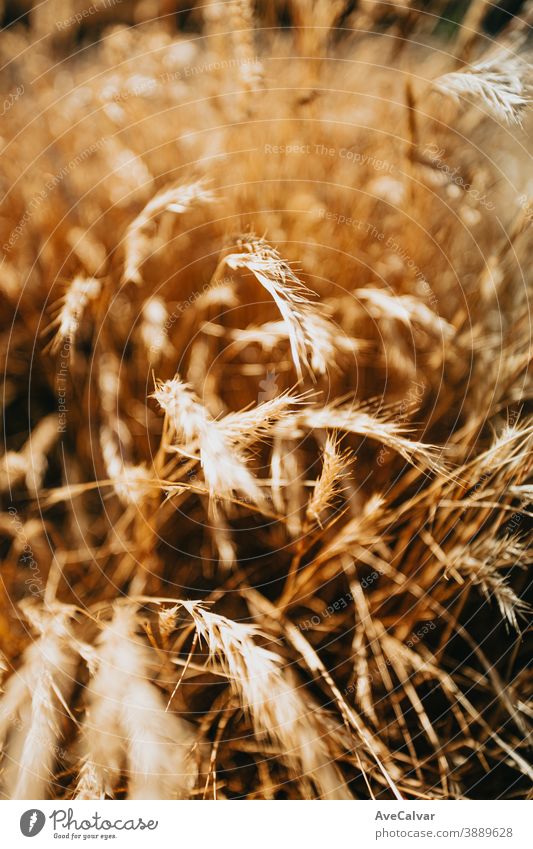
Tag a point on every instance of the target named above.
point(267, 444)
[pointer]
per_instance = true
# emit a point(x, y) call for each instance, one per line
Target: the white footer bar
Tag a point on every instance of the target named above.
point(269, 825)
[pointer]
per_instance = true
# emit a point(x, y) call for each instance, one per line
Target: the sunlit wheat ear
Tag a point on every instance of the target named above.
point(224, 543)
point(482, 563)
point(194, 433)
point(31, 462)
point(109, 383)
point(499, 84)
point(311, 336)
point(274, 704)
point(79, 293)
point(335, 468)
point(137, 241)
point(126, 727)
point(153, 331)
point(131, 482)
point(13, 466)
point(92, 781)
point(34, 707)
point(267, 335)
point(222, 294)
point(247, 426)
point(405, 309)
point(219, 443)
point(354, 419)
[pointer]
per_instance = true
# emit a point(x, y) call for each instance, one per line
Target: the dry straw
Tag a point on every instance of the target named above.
point(279, 534)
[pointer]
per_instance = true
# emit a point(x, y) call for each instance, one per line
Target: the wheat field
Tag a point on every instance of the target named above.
point(267, 438)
